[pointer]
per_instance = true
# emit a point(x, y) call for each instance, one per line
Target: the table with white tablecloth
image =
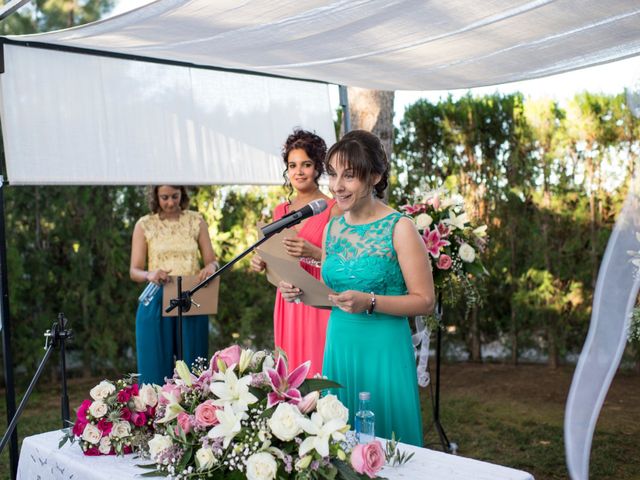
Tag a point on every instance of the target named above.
point(41, 459)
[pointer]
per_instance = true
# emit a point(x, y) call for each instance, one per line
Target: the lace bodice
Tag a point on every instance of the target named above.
point(362, 257)
point(173, 245)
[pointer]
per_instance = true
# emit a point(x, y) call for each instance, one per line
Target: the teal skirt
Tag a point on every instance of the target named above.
point(374, 353)
point(156, 340)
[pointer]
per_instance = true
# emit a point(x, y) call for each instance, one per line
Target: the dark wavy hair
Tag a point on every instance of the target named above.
point(154, 203)
point(314, 147)
point(362, 152)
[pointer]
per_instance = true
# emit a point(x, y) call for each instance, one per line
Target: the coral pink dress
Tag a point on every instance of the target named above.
point(300, 330)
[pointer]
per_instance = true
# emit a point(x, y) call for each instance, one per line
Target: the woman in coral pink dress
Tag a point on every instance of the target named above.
point(300, 330)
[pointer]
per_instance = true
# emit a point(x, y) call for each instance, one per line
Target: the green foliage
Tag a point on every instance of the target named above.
point(549, 181)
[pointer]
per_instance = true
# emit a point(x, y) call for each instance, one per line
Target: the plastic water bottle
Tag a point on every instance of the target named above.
point(148, 293)
point(365, 419)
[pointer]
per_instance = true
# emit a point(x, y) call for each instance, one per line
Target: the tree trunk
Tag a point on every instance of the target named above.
point(552, 362)
point(514, 314)
point(593, 220)
point(476, 345)
point(372, 110)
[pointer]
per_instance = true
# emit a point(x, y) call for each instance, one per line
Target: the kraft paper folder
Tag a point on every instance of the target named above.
point(206, 297)
point(283, 267)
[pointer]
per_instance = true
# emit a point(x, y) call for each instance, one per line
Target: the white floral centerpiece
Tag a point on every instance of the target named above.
point(245, 416)
point(453, 243)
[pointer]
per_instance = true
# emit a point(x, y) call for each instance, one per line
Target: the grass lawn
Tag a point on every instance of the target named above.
point(506, 415)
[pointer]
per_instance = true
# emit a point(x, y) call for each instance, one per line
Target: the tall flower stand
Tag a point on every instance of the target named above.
point(447, 446)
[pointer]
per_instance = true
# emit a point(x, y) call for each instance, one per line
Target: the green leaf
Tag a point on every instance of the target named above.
point(313, 384)
point(148, 466)
point(346, 472)
point(329, 472)
point(63, 440)
point(154, 474)
point(259, 393)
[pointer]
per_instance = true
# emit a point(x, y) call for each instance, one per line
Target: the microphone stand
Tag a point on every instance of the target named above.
point(184, 299)
point(54, 337)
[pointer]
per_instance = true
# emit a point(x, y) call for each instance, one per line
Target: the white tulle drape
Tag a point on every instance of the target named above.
point(614, 298)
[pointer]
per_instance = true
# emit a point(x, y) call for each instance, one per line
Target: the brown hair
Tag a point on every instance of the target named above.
point(362, 152)
point(314, 147)
point(154, 203)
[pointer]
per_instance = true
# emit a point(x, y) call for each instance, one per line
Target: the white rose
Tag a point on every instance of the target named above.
point(284, 422)
point(205, 458)
point(139, 405)
point(121, 429)
point(268, 363)
point(98, 409)
point(105, 445)
point(102, 390)
point(467, 253)
point(91, 434)
point(423, 221)
point(149, 394)
point(331, 408)
point(261, 466)
point(158, 444)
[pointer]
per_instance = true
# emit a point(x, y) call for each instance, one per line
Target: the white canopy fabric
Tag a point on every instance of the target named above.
point(380, 44)
point(71, 119)
point(79, 109)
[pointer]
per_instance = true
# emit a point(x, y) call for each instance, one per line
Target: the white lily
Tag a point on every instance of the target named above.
point(480, 231)
point(228, 427)
point(172, 410)
point(184, 373)
point(320, 433)
point(245, 360)
point(232, 390)
point(457, 221)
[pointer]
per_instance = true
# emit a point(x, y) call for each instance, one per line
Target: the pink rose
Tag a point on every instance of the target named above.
point(83, 409)
point(134, 389)
point(92, 452)
point(368, 459)
point(125, 414)
point(138, 419)
point(184, 421)
point(78, 427)
point(124, 395)
point(444, 262)
point(230, 356)
point(205, 414)
point(170, 389)
point(105, 426)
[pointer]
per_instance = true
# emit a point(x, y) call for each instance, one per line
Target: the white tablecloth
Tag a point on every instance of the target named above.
point(40, 459)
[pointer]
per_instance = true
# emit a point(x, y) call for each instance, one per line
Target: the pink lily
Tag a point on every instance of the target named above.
point(434, 202)
point(285, 385)
point(434, 242)
point(444, 230)
point(413, 209)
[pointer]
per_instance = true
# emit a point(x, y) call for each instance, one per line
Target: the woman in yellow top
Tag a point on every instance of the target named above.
point(169, 241)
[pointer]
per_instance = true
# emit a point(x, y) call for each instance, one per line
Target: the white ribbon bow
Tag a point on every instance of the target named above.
point(420, 341)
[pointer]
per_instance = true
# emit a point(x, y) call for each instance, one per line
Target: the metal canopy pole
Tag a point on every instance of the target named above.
point(5, 324)
point(11, 7)
point(344, 103)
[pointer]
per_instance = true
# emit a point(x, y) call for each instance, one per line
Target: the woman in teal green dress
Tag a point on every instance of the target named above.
point(376, 261)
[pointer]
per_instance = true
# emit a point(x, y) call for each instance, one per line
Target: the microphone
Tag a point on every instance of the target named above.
point(295, 217)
